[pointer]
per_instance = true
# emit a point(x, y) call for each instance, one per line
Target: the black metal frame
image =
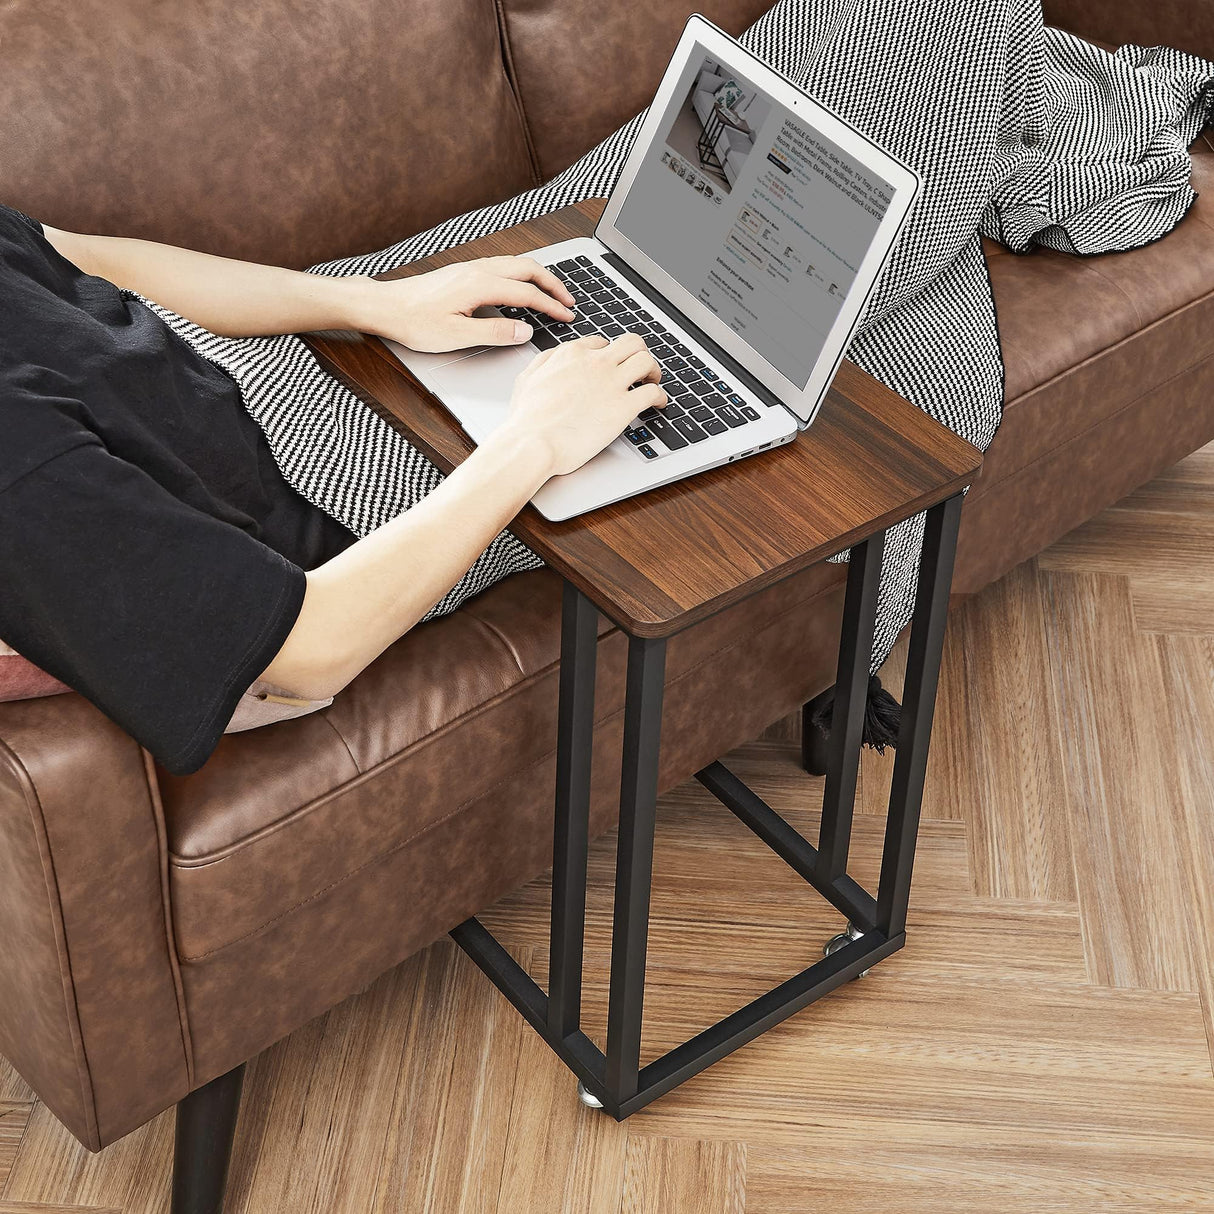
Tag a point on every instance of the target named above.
point(616, 1078)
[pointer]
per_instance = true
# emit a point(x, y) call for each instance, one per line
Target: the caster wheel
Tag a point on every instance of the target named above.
point(589, 1100)
point(835, 943)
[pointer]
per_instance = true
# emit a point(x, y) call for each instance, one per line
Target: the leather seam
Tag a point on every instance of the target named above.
point(1074, 438)
point(88, 1098)
point(1120, 291)
point(192, 958)
point(341, 737)
point(162, 849)
point(217, 857)
point(507, 52)
point(502, 639)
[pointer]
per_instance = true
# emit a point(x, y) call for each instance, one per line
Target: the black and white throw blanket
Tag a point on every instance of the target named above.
point(1021, 132)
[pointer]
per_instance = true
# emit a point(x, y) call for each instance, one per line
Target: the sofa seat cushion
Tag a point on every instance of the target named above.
point(1109, 363)
point(455, 709)
point(1144, 316)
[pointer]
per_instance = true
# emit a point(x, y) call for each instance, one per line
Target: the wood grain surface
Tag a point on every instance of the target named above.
point(663, 560)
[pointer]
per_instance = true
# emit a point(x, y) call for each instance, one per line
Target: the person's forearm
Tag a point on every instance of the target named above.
point(232, 298)
point(362, 600)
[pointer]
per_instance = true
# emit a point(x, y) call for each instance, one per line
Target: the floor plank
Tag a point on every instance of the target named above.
point(667, 1174)
point(14, 1116)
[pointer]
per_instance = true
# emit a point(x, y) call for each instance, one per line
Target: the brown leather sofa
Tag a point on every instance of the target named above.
point(156, 932)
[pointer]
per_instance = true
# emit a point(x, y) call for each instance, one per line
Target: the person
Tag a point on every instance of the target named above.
point(153, 557)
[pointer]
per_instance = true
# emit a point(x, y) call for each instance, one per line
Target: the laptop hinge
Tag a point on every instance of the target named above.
point(765, 394)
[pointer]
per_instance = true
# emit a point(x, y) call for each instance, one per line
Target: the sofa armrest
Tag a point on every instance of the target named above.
point(90, 1007)
point(1187, 25)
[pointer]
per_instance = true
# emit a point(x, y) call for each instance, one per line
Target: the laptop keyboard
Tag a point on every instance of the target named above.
point(702, 403)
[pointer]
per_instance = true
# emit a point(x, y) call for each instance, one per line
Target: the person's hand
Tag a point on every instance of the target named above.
point(574, 399)
point(433, 312)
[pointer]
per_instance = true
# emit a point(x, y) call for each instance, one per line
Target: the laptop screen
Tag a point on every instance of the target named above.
point(762, 218)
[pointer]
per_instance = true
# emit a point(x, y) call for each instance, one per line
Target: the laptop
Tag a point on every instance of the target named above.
point(743, 240)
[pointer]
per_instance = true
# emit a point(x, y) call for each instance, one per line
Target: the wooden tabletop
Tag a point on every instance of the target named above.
point(668, 558)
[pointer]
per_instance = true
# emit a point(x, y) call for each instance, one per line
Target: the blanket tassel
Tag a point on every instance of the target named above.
point(882, 714)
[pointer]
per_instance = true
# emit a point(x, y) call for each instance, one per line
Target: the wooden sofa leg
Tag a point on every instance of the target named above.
point(206, 1126)
point(814, 743)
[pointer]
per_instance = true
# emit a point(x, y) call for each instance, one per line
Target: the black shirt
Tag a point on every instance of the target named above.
point(151, 554)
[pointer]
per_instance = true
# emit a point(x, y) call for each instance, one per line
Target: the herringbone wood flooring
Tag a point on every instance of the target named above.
point(1042, 1044)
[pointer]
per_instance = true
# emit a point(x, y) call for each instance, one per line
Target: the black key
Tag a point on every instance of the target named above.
point(751, 415)
point(668, 338)
point(702, 413)
point(673, 411)
point(640, 435)
point(542, 341)
point(566, 265)
point(735, 399)
point(570, 336)
point(707, 372)
point(688, 377)
point(647, 451)
point(583, 261)
point(585, 328)
point(616, 307)
point(601, 297)
point(702, 388)
point(611, 330)
point(628, 321)
point(580, 276)
point(596, 271)
point(590, 308)
point(644, 315)
point(619, 293)
point(732, 418)
point(646, 414)
point(723, 388)
point(675, 364)
point(690, 431)
point(558, 328)
point(715, 426)
point(651, 340)
point(667, 433)
point(662, 352)
point(714, 402)
point(513, 313)
point(695, 362)
point(682, 349)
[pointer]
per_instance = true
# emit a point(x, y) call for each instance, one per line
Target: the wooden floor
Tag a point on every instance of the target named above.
point(1042, 1044)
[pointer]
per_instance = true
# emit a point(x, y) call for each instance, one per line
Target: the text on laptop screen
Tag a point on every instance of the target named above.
point(760, 217)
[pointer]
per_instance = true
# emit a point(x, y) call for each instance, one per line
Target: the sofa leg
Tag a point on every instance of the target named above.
point(814, 743)
point(206, 1126)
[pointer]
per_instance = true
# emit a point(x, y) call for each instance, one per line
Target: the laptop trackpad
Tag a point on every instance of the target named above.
point(477, 389)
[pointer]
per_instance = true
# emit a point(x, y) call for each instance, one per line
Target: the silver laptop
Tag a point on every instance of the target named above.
point(744, 237)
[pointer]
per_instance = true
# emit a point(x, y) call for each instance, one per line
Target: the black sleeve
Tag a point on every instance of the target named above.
point(33, 223)
point(160, 614)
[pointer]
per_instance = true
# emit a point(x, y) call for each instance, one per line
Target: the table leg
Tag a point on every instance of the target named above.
point(850, 702)
point(634, 863)
point(574, 745)
point(918, 707)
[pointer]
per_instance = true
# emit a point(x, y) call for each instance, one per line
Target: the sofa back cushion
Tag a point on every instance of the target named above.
point(1187, 25)
point(292, 131)
point(584, 68)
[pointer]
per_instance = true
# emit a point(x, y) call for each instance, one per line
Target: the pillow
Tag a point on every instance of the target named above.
point(708, 81)
point(730, 93)
point(262, 704)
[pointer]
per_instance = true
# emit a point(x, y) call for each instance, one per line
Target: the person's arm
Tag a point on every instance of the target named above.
point(567, 406)
point(239, 299)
